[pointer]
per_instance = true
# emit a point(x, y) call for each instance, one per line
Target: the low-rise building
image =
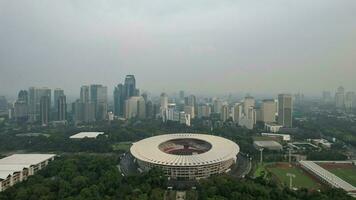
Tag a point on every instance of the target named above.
point(285, 137)
point(17, 167)
point(272, 127)
point(269, 145)
point(321, 142)
point(83, 135)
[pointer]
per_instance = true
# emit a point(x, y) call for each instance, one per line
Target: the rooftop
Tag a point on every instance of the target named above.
point(17, 162)
point(25, 159)
point(267, 144)
point(82, 135)
point(184, 149)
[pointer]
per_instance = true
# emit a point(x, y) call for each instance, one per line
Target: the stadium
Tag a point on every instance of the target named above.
point(185, 156)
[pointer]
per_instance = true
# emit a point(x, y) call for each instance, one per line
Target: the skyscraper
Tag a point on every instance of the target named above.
point(123, 92)
point(285, 110)
point(340, 98)
point(181, 96)
point(21, 107)
point(204, 110)
point(150, 110)
point(237, 112)
point(56, 94)
point(224, 114)
point(130, 86)
point(84, 109)
point(349, 100)
point(326, 97)
point(98, 96)
point(248, 102)
point(189, 110)
point(45, 105)
point(35, 95)
point(85, 94)
point(3, 103)
point(268, 110)
point(135, 107)
point(164, 106)
point(217, 106)
point(23, 96)
point(119, 100)
point(61, 108)
point(191, 100)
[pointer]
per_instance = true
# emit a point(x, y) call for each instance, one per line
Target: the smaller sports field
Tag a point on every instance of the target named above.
point(345, 171)
point(301, 180)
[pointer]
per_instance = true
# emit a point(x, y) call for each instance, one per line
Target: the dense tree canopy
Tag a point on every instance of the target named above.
point(86, 178)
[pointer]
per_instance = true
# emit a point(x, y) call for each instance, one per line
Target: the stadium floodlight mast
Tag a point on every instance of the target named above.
point(291, 176)
point(261, 155)
point(290, 156)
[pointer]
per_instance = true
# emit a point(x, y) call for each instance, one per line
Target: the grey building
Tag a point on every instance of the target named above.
point(35, 94)
point(285, 110)
point(119, 100)
point(61, 108)
point(45, 105)
point(130, 86)
point(98, 96)
point(56, 94)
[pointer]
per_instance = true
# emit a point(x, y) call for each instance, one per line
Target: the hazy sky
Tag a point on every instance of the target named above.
point(201, 46)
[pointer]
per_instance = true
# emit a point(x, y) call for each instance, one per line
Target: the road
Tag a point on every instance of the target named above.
point(127, 165)
point(242, 167)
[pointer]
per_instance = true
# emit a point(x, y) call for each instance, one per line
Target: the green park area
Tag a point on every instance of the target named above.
point(122, 146)
point(347, 174)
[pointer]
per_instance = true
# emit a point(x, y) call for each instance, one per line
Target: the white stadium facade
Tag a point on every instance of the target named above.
point(186, 155)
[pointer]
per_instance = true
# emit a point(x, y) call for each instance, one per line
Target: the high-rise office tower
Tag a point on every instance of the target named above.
point(119, 100)
point(150, 110)
point(191, 100)
point(285, 110)
point(56, 94)
point(171, 112)
point(224, 114)
point(268, 110)
point(326, 97)
point(181, 96)
point(164, 106)
point(21, 111)
point(45, 105)
point(3, 103)
point(237, 112)
point(130, 86)
point(84, 109)
point(83, 112)
point(204, 110)
point(298, 98)
point(189, 110)
point(35, 95)
point(217, 105)
point(184, 118)
point(349, 100)
point(340, 98)
point(21, 107)
point(145, 96)
point(98, 96)
point(248, 102)
point(249, 118)
point(23, 96)
point(85, 94)
point(61, 108)
point(135, 107)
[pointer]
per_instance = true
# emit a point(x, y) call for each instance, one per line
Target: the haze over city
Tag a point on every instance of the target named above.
point(199, 46)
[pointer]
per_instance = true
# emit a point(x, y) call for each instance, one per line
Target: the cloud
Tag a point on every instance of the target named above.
point(254, 46)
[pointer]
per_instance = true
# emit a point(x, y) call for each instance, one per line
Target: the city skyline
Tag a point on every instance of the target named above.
point(294, 46)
